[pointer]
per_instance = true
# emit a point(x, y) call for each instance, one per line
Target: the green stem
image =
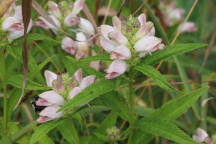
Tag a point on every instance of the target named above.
point(131, 102)
point(3, 78)
point(23, 131)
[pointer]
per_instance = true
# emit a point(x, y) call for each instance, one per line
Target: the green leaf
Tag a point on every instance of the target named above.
point(102, 57)
point(169, 51)
point(36, 36)
point(165, 129)
point(91, 92)
point(176, 107)
point(173, 109)
point(43, 129)
point(69, 131)
point(156, 76)
point(16, 81)
point(117, 103)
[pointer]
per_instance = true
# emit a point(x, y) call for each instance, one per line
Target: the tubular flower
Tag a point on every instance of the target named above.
point(14, 24)
point(200, 136)
point(173, 16)
point(64, 88)
point(82, 83)
point(66, 16)
point(128, 42)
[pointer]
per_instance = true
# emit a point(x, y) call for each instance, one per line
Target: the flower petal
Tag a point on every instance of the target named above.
point(78, 75)
point(71, 20)
point(107, 45)
point(78, 6)
point(50, 113)
point(116, 68)
point(116, 23)
point(142, 19)
point(86, 26)
point(50, 77)
point(121, 52)
point(87, 81)
point(69, 45)
point(74, 92)
point(54, 9)
point(52, 97)
point(147, 44)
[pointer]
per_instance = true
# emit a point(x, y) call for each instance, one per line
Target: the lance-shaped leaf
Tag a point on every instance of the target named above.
point(91, 92)
point(172, 110)
point(170, 51)
point(156, 76)
point(42, 130)
point(165, 129)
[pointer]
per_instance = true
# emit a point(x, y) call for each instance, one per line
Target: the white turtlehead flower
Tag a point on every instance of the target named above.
point(188, 27)
point(69, 45)
point(116, 68)
point(121, 52)
point(50, 77)
point(200, 136)
point(147, 44)
point(78, 6)
point(82, 46)
point(49, 113)
point(86, 26)
point(54, 9)
point(49, 98)
point(46, 25)
point(83, 83)
point(14, 24)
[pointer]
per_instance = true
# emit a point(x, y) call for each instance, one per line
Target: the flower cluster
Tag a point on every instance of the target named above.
point(173, 16)
point(66, 17)
point(13, 22)
point(64, 88)
point(127, 42)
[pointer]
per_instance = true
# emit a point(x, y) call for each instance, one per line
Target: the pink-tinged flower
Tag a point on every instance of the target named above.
point(116, 23)
point(14, 24)
point(75, 91)
point(116, 68)
point(85, 82)
point(49, 113)
point(69, 45)
point(71, 20)
point(86, 27)
point(146, 29)
point(50, 77)
point(200, 136)
point(78, 75)
point(118, 37)
point(147, 44)
point(54, 9)
point(188, 27)
point(142, 19)
point(171, 14)
point(82, 46)
point(107, 45)
point(46, 25)
point(95, 64)
point(121, 52)
point(49, 98)
point(78, 6)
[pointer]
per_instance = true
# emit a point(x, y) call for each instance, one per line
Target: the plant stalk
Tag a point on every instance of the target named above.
point(131, 102)
point(3, 78)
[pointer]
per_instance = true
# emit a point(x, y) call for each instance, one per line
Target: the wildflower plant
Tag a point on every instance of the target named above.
point(99, 72)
